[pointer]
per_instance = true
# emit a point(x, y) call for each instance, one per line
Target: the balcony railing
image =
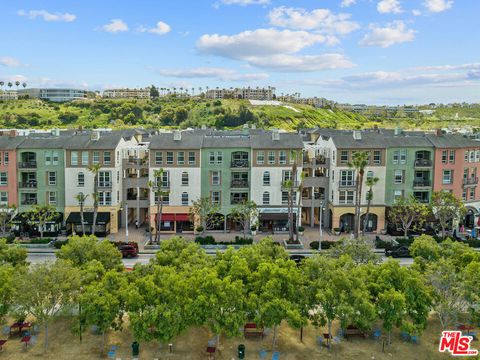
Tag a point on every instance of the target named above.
point(239, 184)
point(236, 201)
point(422, 183)
point(317, 160)
point(163, 185)
point(29, 202)
point(470, 181)
point(105, 184)
point(423, 163)
point(287, 183)
point(346, 184)
point(32, 184)
point(235, 164)
point(27, 165)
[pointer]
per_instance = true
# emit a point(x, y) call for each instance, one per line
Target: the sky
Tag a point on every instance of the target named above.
point(356, 51)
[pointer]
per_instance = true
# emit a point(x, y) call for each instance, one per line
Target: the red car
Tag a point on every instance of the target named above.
point(128, 251)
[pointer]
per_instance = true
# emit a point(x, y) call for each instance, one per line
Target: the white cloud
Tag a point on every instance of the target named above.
point(320, 20)
point(213, 73)
point(115, 26)
point(47, 16)
point(416, 12)
point(160, 29)
point(389, 6)
point(302, 63)
point(438, 5)
point(245, 2)
point(471, 66)
point(10, 62)
point(393, 33)
point(348, 3)
point(13, 78)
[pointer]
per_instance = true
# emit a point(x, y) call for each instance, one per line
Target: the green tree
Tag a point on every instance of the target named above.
point(472, 284)
point(12, 255)
point(291, 185)
point(205, 212)
point(6, 290)
point(408, 213)
point(6, 214)
point(360, 250)
point(243, 213)
point(370, 183)
point(80, 251)
point(39, 215)
point(95, 170)
point(391, 305)
point(446, 208)
point(44, 290)
point(359, 163)
point(181, 254)
point(154, 94)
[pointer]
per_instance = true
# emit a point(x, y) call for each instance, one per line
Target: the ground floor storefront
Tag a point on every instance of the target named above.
point(23, 226)
point(173, 219)
point(275, 220)
point(109, 220)
point(342, 218)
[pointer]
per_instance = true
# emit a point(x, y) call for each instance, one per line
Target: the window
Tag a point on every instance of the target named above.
point(266, 198)
point(96, 157)
point(266, 178)
point(215, 177)
point(52, 178)
point(74, 158)
point(284, 197)
point(369, 174)
point(104, 179)
point(158, 158)
point(52, 197)
point(55, 158)
point(107, 157)
point(184, 199)
point(377, 157)
point(347, 178)
point(282, 157)
point(466, 156)
point(447, 177)
point(180, 157)
point(163, 181)
point(191, 158)
point(271, 157)
point(3, 198)
point(398, 177)
point(85, 157)
point(219, 157)
point(452, 156)
point(184, 179)
point(472, 156)
point(165, 199)
point(286, 175)
point(260, 158)
point(343, 156)
point(216, 197)
point(81, 179)
point(403, 156)
point(444, 156)
point(464, 195)
point(118, 176)
point(105, 198)
point(292, 157)
point(169, 157)
point(472, 193)
point(396, 156)
point(211, 157)
point(3, 178)
point(477, 155)
point(5, 157)
point(346, 197)
point(48, 157)
point(397, 194)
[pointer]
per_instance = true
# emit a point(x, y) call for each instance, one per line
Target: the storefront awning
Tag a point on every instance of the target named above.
point(175, 217)
point(75, 218)
point(270, 216)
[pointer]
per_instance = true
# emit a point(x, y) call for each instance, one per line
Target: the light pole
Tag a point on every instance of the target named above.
point(126, 221)
point(320, 225)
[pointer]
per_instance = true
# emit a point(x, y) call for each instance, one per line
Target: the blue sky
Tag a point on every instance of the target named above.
point(359, 51)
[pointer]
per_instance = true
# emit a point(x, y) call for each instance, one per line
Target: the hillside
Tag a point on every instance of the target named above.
point(171, 112)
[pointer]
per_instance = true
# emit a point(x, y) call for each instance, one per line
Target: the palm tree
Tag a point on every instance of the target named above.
point(81, 198)
point(24, 84)
point(2, 83)
point(370, 182)
point(291, 186)
point(299, 201)
point(95, 169)
point(158, 175)
point(359, 163)
point(10, 84)
point(17, 84)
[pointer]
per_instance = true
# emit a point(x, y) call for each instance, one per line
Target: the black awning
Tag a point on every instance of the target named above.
point(75, 218)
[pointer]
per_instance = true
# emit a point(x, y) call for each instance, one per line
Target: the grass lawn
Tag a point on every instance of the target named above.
point(192, 345)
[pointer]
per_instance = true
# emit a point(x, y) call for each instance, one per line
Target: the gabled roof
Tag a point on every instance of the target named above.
point(452, 141)
point(107, 141)
point(265, 140)
point(190, 139)
point(10, 142)
point(44, 142)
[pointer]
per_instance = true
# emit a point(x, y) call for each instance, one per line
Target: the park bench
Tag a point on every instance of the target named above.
point(252, 330)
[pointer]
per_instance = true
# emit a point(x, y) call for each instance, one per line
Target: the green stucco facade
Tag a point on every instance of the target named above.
point(417, 175)
point(36, 180)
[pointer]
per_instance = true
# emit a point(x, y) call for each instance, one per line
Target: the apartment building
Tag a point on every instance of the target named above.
point(54, 94)
point(242, 93)
point(126, 93)
point(8, 170)
point(83, 151)
point(8, 95)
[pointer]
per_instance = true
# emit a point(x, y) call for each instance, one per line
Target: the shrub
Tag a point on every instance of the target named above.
point(207, 240)
point(40, 241)
point(337, 229)
point(404, 241)
point(241, 241)
point(10, 238)
point(253, 227)
point(59, 243)
point(301, 229)
point(325, 244)
point(473, 243)
point(199, 228)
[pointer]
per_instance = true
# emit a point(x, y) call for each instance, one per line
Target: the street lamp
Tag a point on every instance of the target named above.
point(322, 203)
point(126, 221)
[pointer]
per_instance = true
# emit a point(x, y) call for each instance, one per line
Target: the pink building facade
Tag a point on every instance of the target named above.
point(8, 170)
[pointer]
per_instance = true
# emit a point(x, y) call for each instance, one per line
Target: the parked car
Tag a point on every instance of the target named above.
point(297, 258)
point(128, 251)
point(398, 252)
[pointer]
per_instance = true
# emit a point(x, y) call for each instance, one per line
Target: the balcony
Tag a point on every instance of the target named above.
point(165, 185)
point(135, 163)
point(421, 183)
point(236, 183)
point(295, 184)
point(131, 182)
point(423, 163)
point(317, 161)
point(239, 164)
point(104, 184)
point(30, 184)
point(317, 181)
point(346, 184)
point(317, 201)
point(470, 181)
point(28, 202)
point(27, 165)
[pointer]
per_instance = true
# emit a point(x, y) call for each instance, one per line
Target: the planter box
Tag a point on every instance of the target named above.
point(38, 246)
point(220, 247)
point(298, 245)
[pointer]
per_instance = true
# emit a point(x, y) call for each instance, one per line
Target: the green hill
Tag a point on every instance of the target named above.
point(171, 112)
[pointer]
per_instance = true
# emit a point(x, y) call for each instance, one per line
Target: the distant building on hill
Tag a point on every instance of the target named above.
point(127, 93)
point(242, 93)
point(8, 95)
point(54, 94)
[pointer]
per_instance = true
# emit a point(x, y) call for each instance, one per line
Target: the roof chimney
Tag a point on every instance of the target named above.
point(438, 132)
point(275, 135)
point(357, 134)
point(177, 135)
point(95, 135)
point(398, 131)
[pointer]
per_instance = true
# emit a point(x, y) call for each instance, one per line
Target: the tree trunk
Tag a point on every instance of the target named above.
point(103, 343)
point(299, 209)
point(329, 333)
point(359, 199)
point(95, 202)
point(45, 343)
point(81, 219)
point(367, 214)
point(159, 219)
point(274, 342)
point(149, 223)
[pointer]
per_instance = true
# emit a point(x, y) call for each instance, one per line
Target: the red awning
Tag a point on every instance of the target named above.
point(175, 217)
point(167, 217)
point(182, 217)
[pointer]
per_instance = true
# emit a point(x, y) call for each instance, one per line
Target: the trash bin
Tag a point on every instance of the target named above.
point(135, 348)
point(241, 351)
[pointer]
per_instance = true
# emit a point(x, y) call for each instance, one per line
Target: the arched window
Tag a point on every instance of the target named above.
point(81, 179)
point(266, 198)
point(266, 178)
point(185, 199)
point(184, 179)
